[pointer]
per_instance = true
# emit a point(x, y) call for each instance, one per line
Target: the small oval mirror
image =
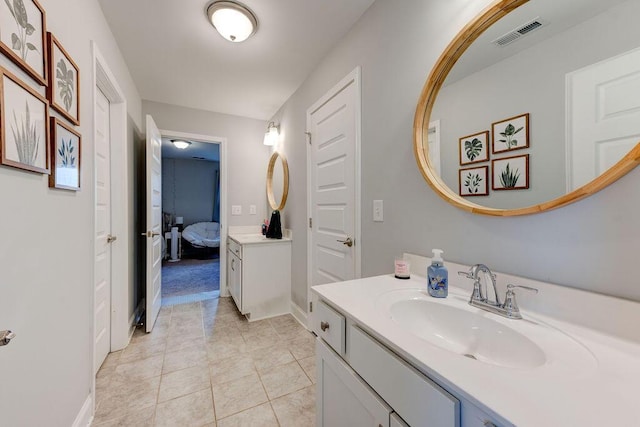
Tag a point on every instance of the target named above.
point(277, 181)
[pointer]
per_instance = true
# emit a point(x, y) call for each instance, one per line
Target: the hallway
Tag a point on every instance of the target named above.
point(205, 365)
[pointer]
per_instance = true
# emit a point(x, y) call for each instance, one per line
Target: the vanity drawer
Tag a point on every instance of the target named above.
point(417, 399)
point(234, 247)
point(330, 326)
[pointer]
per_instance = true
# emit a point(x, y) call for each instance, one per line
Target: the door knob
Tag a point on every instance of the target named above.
point(347, 242)
point(324, 326)
point(6, 337)
point(111, 239)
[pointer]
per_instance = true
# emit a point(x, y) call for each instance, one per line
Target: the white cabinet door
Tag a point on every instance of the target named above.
point(234, 275)
point(342, 398)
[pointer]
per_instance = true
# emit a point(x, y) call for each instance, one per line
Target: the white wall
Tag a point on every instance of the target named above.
point(188, 189)
point(247, 157)
point(591, 244)
point(46, 265)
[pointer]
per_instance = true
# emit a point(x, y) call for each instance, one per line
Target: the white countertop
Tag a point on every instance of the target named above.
point(255, 238)
point(601, 389)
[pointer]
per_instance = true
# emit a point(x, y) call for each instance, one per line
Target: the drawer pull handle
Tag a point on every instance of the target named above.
point(489, 424)
point(324, 326)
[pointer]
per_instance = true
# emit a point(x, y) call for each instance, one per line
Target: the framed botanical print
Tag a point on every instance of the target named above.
point(474, 181)
point(474, 148)
point(510, 134)
point(510, 173)
point(63, 91)
point(23, 36)
point(66, 149)
point(24, 133)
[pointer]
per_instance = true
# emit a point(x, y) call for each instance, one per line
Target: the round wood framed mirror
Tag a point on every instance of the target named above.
point(277, 181)
point(446, 106)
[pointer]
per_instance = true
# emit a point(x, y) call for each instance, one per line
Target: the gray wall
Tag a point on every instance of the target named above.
point(247, 157)
point(532, 81)
point(46, 250)
point(591, 244)
point(188, 188)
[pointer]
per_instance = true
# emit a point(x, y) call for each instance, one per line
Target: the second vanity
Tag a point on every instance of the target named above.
point(390, 355)
point(259, 274)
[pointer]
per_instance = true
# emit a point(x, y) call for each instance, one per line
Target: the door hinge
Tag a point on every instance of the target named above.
point(310, 306)
point(310, 222)
point(308, 137)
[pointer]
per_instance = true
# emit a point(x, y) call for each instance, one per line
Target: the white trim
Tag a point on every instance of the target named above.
point(355, 78)
point(224, 166)
point(300, 315)
point(84, 417)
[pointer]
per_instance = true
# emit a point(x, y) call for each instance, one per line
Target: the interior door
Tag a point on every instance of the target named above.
point(603, 117)
point(103, 238)
point(154, 222)
point(334, 127)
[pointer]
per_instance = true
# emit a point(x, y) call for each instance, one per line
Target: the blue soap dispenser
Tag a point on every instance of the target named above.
point(437, 276)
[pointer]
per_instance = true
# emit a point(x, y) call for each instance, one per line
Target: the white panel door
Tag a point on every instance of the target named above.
point(154, 222)
point(603, 117)
point(333, 125)
point(102, 276)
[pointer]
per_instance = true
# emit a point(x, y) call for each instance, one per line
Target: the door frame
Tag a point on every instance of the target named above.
point(104, 79)
point(222, 143)
point(354, 77)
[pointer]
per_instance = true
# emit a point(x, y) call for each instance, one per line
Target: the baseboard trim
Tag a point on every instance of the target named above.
point(299, 314)
point(85, 415)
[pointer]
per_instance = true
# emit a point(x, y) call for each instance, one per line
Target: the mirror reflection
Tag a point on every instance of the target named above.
point(542, 103)
point(277, 181)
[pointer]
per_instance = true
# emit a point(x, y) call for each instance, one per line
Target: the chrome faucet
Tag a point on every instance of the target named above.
point(478, 299)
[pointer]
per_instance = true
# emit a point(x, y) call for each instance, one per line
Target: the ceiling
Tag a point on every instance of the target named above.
point(197, 150)
point(175, 56)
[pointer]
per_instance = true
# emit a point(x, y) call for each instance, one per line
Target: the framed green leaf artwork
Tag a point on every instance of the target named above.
point(474, 181)
point(23, 36)
point(510, 134)
point(66, 149)
point(510, 173)
point(24, 132)
point(474, 148)
point(63, 91)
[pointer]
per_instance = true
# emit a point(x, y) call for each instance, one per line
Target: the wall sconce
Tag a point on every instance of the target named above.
point(181, 144)
point(234, 21)
point(271, 136)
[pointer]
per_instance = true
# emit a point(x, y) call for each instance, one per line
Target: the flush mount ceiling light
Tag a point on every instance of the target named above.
point(180, 143)
point(271, 136)
point(234, 21)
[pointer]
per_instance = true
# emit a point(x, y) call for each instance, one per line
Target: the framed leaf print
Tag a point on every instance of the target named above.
point(510, 173)
point(64, 87)
point(474, 148)
point(66, 149)
point(510, 134)
point(23, 36)
point(23, 125)
point(474, 181)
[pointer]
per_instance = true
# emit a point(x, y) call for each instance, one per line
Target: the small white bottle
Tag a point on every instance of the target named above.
point(437, 276)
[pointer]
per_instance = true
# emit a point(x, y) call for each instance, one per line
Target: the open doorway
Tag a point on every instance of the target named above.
point(191, 201)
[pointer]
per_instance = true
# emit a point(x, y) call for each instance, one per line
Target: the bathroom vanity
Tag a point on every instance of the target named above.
point(390, 355)
point(259, 274)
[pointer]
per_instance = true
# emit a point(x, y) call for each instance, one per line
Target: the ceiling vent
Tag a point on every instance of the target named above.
point(522, 30)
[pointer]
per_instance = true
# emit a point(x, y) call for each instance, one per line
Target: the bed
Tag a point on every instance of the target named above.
point(202, 239)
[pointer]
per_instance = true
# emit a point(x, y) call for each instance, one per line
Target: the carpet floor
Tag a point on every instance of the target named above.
point(190, 280)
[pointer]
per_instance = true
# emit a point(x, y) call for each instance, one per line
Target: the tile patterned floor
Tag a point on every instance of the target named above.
point(204, 365)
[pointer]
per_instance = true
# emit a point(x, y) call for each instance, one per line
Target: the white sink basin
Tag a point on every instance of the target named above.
point(451, 324)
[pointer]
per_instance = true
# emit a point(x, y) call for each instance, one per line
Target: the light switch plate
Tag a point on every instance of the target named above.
point(252, 209)
point(378, 211)
point(236, 210)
